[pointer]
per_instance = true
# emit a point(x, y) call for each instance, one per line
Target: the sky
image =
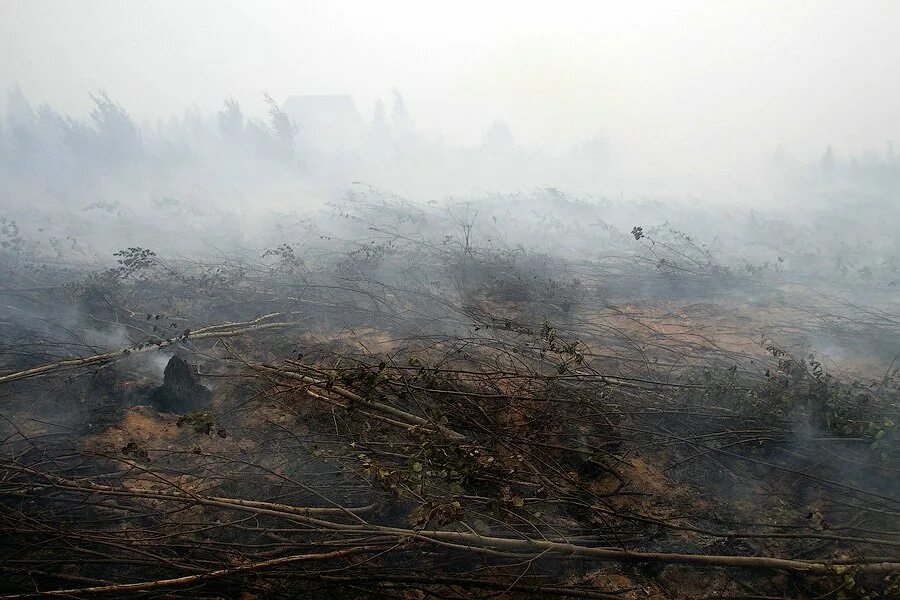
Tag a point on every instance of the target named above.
point(703, 82)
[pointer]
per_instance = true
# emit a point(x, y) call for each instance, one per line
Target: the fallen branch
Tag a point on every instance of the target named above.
point(527, 546)
point(121, 588)
point(409, 418)
point(212, 331)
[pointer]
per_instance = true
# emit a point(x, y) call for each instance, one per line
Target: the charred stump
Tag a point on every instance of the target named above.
point(181, 391)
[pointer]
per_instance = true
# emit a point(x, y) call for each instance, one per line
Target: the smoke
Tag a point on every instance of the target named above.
point(696, 98)
point(743, 152)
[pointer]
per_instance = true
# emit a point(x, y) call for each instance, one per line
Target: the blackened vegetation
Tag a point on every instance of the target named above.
point(422, 414)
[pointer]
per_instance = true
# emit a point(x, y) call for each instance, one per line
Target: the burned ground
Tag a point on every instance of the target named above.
point(422, 416)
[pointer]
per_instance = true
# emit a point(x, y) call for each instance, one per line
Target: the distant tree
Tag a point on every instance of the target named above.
point(116, 135)
point(20, 119)
point(48, 119)
point(283, 129)
point(51, 128)
point(399, 114)
point(32, 136)
point(230, 119)
point(379, 129)
point(18, 109)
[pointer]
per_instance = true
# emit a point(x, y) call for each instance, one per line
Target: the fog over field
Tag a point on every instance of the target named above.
point(449, 300)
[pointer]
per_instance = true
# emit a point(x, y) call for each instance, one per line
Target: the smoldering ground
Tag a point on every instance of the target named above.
point(558, 308)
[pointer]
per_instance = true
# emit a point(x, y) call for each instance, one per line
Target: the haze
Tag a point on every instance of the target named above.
point(521, 300)
point(676, 88)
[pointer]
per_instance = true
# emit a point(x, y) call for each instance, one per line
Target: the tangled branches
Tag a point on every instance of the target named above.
point(409, 419)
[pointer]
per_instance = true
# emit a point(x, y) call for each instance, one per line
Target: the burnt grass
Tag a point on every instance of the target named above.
point(419, 417)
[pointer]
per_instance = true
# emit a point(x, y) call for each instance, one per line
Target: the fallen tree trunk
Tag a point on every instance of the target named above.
point(213, 331)
point(528, 547)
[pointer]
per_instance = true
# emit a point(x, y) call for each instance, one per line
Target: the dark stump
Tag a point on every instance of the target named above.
point(180, 392)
